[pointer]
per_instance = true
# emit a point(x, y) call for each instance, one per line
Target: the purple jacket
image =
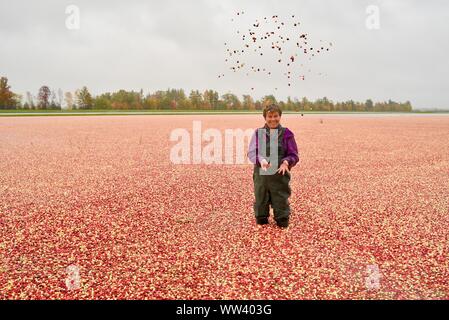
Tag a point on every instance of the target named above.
point(288, 144)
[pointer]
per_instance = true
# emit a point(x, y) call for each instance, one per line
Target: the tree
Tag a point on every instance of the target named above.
point(151, 102)
point(248, 103)
point(176, 98)
point(54, 101)
point(103, 101)
point(351, 105)
point(306, 105)
point(211, 98)
point(269, 99)
point(161, 100)
point(8, 99)
point(231, 101)
point(84, 99)
point(407, 107)
point(44, 97)
point(289, 105)
point(369, 105)
point(196, 98)
point(324, 105)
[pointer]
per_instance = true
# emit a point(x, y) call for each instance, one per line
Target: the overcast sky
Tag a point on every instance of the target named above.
point(180, 44)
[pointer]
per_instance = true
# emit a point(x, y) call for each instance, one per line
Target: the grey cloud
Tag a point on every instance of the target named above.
point(160, 44)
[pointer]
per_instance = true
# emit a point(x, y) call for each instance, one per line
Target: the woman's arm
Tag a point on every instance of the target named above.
point(291, 154)
point(253, 150)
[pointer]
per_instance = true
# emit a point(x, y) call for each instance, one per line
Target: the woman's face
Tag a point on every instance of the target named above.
point(272, 119)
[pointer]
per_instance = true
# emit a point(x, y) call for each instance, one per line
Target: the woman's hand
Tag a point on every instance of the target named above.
point(264, 164)
point(284, 167)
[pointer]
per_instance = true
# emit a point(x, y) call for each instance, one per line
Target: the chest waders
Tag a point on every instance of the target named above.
point(272, 189)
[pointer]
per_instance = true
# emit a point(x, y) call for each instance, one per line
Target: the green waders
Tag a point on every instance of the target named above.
point(273, 189)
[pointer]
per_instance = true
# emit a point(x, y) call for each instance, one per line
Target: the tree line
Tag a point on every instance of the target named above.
point(176, 99)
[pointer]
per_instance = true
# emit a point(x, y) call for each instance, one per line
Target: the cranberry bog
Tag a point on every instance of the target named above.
point(93, 208)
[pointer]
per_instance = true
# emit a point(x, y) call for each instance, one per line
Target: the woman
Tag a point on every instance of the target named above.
point(272, 185)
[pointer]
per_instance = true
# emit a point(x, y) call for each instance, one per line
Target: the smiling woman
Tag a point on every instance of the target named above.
point(272, 115)
point(272, 187)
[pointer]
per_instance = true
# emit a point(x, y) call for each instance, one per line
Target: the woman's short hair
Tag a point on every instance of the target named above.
point(272, 108)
